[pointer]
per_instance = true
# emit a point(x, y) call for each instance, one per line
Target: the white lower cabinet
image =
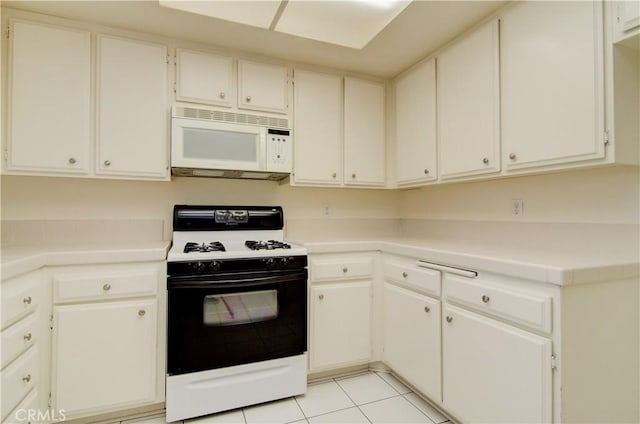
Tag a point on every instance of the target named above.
point(493, 372)
point(411, 338)
point(107, 338)
point(340, 325)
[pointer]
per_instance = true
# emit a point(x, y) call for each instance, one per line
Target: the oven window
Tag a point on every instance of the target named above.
point(240, 308)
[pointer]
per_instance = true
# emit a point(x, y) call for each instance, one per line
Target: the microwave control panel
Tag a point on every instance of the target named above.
point(279, 150)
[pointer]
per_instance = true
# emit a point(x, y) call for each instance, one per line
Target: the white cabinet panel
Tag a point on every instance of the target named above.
point(552, 83)
point(412, 338)
point(132, 115)
point(416, 125)
point(627, 18)
point(49, 99)
point(493, 372)
point(104, 355)
point(340, 325)
point(204, 78)
point(317, 128)
point(469, 105)
point(364, 132)
point(262, 87)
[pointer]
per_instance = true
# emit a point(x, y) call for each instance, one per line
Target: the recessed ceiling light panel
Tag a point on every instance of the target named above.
point(258, 13)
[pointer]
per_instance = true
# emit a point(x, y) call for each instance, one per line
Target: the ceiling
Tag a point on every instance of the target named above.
point(421, 28)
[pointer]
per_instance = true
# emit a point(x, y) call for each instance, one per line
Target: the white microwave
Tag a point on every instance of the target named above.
point(202, 146)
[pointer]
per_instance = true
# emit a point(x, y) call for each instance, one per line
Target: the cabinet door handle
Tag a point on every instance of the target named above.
point(27, 337)
point(107, 162)
point(486, 298)
point(142, 312)
point(485, 161)
point(334, 175)
point(345, 269)
point(427, 309)
point(449, 318)
point(512, 156)
point(106, 287)
point(405, 275)
point(72, 161)
point(426, 172)
point(248, 99)
point(321, 297)
point(353, 176)
point(222, 95)
point(27, 300)
point(26, 378)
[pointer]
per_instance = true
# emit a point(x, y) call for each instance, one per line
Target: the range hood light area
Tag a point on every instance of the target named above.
point(347, 23)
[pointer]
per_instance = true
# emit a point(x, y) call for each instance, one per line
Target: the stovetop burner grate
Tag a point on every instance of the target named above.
point(266, 245)
point(214, 246)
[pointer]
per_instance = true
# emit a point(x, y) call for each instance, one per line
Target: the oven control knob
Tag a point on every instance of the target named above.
point(214, 265)
point(285, 261)
point(198, 266)
point(271, 263)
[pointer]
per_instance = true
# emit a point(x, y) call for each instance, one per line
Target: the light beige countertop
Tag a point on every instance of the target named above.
point(17, 260)
point(559, 266)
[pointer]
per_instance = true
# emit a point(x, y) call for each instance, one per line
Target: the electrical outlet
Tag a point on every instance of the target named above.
point(517, 206)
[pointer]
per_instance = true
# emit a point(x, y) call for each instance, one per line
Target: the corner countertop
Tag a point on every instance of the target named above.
point(558, 266)
point(18, 260)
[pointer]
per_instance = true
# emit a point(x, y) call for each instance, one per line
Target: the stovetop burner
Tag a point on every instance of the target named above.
point(266, 245)
point(214, 246)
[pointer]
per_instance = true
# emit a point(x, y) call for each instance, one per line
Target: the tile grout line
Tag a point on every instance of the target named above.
point(354, 402)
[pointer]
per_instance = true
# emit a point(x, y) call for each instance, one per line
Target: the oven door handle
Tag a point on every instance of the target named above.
point(238, 281)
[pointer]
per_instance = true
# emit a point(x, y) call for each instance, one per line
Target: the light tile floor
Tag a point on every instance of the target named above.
point(371, 397)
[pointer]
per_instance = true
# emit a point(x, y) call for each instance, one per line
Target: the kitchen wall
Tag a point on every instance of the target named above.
point(603, 202)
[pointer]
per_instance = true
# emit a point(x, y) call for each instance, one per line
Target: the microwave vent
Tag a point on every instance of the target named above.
point(222, 116)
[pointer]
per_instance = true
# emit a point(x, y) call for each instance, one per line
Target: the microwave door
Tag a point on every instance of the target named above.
point(209, 145)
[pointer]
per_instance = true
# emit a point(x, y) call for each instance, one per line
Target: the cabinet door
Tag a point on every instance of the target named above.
point(204, 78)
point(364, 132)
point(552, 83)
point(262, 87)
point(412, 338)
point(469, 105)
point(340, 325)
point(627, 19)
point(132, 116)
point(318, 128)
point(416, 125)
point(492, 372)
point(104, 356)
point(49, 99)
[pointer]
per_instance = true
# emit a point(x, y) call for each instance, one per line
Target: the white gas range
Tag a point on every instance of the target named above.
point(237, 302)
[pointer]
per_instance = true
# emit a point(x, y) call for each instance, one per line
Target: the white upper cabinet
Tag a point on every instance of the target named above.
point(262, 86)
point(415, 96)
point(469, 105)
point(552, 83)
point(317, 128)
point(364, 132)
point(49, 99)
point(627, 19)
point(204, 78)
point(132, 111)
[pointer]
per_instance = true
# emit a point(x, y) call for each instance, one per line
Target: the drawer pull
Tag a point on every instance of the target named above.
point(486, 298)
point(405, 275)
point(345, 269)
point(26, 378)
point(449, 318)
point(427, 309)
point(106, 287)
point(321, 297)
point(27, 300)
point(141, 312)
point(27, 337)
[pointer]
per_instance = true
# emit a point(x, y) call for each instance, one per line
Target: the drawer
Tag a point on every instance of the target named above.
point(18, 379)
point(27, 411)
point(528, 309)
point(18, 338)
point(335, 269)
point(20, 296)
point(104, 285)
point(425, 280)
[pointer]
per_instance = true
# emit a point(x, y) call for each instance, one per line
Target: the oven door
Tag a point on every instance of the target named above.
point(226, 320)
